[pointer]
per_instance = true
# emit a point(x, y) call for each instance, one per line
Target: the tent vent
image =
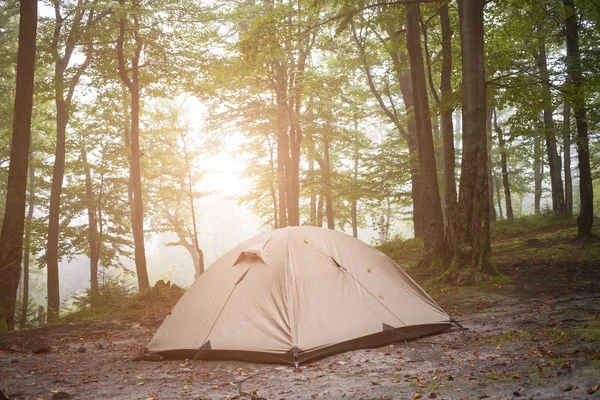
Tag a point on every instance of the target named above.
point(250, 255)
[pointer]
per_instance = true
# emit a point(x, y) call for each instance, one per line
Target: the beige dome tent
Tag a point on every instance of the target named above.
point(293, 295)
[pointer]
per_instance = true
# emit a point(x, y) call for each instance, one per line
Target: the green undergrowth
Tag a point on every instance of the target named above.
point(114, 302)
point(528, 225)
point(557, 245)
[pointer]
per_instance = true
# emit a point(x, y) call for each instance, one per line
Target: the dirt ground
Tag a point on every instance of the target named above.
point(537, 338)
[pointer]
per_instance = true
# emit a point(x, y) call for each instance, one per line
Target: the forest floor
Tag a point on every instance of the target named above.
point(535, 333)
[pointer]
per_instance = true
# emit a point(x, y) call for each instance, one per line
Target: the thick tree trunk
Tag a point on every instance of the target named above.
point(509, 210)
point(567, 158)
point(432, 211)
point(450, 201)
point(27, 242)
point(574, 70)
point(403, 75)
point(558, 197)
point(538, 173)
point(11, 238)
point(92, 224)
point(473, 258)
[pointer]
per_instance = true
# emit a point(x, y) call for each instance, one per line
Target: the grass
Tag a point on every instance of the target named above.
point(554, 245)
point(527, 225)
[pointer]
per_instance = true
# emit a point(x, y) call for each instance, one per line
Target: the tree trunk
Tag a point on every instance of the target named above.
point(498, 198)
point(567, 158)
point(327, 179)
point(490, 165)
point(320, 208)
point(448, 134)
point(272, 185)
point(432, 211)
point(313, 196)
point(27, 242)
point(282, 156)
point(538, 173)
point(92, 224)
point(473, 258)
point(558, 197)
point(574, 71)
point(403, 76)
point(353, 204)
point(509, 210)
point(58, 172)
point(137, 211)
point(11, 238)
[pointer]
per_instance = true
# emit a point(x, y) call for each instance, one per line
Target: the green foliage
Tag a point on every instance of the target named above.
point(115, 299)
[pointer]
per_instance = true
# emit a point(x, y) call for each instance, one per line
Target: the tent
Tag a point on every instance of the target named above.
point(296, 294)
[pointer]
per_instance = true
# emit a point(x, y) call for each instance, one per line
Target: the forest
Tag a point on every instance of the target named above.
point(459, 137)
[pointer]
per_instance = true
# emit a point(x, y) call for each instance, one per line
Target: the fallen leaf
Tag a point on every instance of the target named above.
point(374, 383)
point(417, 396)
point(593, 390)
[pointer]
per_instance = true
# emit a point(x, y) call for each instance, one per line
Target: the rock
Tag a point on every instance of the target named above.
point(81, 349)
point(99, 346)
point(60, 395)
point(532, 242)
point(14, 361)
point(42, 349)
point(148, 357)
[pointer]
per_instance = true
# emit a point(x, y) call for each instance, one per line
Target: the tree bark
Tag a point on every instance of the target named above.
point(585, 219)
point(509, 210)
point(498, 197)
point(473, 258)
point(490, 165)
point(92, 224)
point(567, 158)
point(11, 238)
point(27, 242)
point(327, 182)
point(558, 197)
point(450, 201)
point(538, 173)
point(132, 84)
point(432, 211)
point(353, 204)
point(63, 92)
point(403, 77)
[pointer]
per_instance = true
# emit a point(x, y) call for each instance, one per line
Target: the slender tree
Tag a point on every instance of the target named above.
point(131, 79)
point(64, 90)
point(509, 210)
point(558, 197)
point(567, 158)
point(11, 238)
point(574, 71)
